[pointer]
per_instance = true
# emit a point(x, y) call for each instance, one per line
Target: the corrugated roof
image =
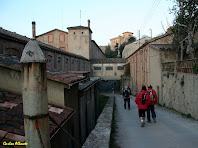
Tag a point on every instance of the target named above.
point(88, 84)
point(109, 60)
point(12, 120)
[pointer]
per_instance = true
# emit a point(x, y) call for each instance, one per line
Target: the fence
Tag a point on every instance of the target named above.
point(185, 66)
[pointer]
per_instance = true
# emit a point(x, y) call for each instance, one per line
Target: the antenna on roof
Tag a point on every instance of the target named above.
point(80, 17)
point(62, 20)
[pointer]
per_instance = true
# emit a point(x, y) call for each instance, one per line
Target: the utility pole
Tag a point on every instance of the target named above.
point(139, 37)
point(80, 17)
point(151, 32)
point(34, 91)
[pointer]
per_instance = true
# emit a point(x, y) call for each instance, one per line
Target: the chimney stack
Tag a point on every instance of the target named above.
point(89, 23)
point(34, 30)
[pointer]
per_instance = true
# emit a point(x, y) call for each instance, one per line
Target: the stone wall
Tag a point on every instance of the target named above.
point(100, 135)
point(180, 92)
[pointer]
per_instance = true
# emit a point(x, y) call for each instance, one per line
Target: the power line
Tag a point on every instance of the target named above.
point(154, 7)
point(148, 14)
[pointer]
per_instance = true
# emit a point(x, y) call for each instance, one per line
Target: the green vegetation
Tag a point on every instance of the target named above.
point(102, 102)
point(130, 40)
point(113, 133)
point(195, 69)
point(114, 54)
point(109, 53)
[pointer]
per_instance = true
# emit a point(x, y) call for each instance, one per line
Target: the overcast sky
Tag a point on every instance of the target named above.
point(109, 18)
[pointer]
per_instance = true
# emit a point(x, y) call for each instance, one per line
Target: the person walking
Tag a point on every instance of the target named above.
point(151, 105)
point(129, 90)
point(142, 100)
point(126, 97)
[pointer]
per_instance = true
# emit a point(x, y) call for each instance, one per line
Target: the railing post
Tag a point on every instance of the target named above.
point(175, 66)
point(34, 91)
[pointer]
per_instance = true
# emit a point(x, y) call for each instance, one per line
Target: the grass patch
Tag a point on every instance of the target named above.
point(182, 114)
point(102, 102)
point(113, 132)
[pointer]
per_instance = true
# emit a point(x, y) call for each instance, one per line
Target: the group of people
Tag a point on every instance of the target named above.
point(145, 100)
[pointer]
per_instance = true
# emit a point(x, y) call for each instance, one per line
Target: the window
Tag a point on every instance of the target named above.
point(97, 68)
point(50, 38)
point(49, 61)
point(120, 68)
point(109, 68)
point(74, 33)
point(62, 38)
point(82, 32)
point(66, 60)
point(12, 52)
point(59, 60)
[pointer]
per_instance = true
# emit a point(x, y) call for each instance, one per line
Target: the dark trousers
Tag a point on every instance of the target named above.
point(128, 101)
point(141, 112)
point(151, 108)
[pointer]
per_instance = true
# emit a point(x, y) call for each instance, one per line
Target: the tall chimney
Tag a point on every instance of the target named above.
point(34, 91)
point(34, 30)
point(89, 23)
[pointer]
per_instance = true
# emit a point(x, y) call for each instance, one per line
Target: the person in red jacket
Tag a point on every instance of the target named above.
point(151, 107)
point(142, 100)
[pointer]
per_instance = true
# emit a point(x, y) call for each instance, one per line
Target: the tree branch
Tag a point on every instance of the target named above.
point(181, 24)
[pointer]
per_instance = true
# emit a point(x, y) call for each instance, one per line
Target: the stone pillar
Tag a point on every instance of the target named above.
point(34, 92)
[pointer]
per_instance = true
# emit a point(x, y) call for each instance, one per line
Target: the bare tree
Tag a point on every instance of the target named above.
point(185, 25)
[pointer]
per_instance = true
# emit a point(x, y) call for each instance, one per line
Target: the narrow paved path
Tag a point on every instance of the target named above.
point(170, 130)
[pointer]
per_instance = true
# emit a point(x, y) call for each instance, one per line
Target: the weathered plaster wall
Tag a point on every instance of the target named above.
point(114, 74)
point(79, 42)
point(55, 92)
point(11, 80)
point(57, 42)
point(180, 92)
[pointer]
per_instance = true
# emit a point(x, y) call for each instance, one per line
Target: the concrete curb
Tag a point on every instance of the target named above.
point(100, 135)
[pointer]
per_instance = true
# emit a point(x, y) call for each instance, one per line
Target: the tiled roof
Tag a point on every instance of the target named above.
point(24, 39)
point(51, 31)
point(109, 60)
point(127, 32)
point(152, 40)
point(79, 72)
point(12, 120)
point(79, 27)
point(10, 62)
point(161, 46)
point(63, 77)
